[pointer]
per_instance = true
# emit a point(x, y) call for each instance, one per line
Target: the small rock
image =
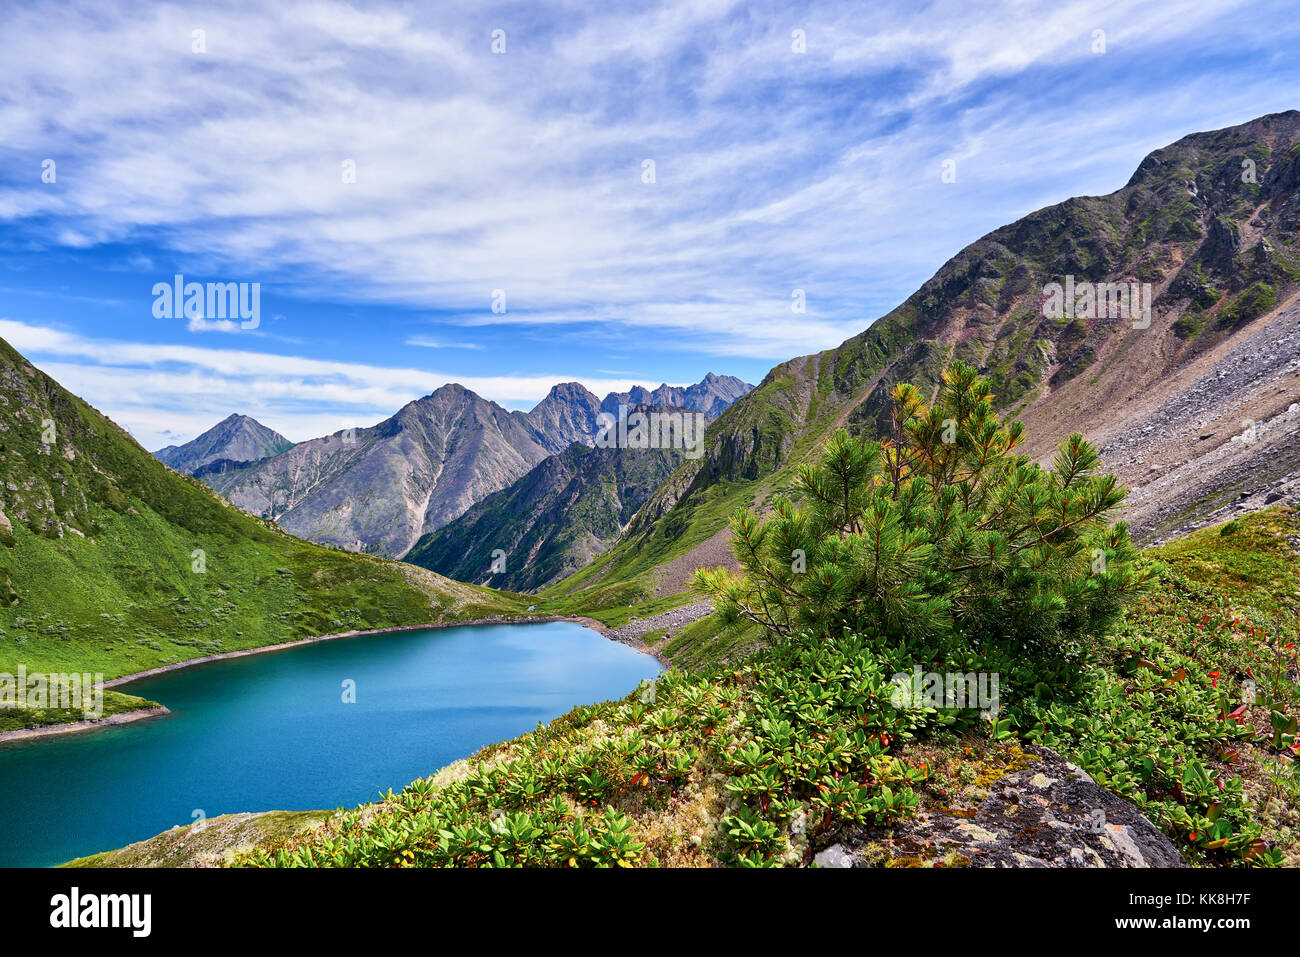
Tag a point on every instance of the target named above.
point(834, 856)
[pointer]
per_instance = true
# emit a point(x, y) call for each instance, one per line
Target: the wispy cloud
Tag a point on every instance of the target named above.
point(525, 173)
point(424, 342)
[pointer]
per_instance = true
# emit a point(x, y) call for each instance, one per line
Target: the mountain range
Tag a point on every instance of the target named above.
point(712, 396)
point(1189, 393)
point(379, 489)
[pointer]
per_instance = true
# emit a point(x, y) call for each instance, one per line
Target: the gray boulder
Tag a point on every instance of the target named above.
point(1046, 813)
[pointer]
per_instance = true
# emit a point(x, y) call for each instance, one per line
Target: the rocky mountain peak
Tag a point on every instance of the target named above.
point(236, 439)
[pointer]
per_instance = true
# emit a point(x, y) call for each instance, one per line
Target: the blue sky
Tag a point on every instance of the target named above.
point(525, 171)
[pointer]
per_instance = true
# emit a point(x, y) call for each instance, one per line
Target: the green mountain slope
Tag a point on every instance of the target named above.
point(549, 523)
point(1221, 254)
point(111, 562)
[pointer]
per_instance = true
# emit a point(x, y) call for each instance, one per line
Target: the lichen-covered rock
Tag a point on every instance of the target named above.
point(1046, 813)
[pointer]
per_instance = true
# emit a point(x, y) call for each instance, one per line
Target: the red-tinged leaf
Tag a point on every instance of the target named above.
point(1257, 846)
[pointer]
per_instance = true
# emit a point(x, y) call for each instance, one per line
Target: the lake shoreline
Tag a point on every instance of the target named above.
point(127, 717)
point(72, 727)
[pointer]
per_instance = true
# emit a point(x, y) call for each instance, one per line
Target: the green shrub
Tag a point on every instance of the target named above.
point(941, 535)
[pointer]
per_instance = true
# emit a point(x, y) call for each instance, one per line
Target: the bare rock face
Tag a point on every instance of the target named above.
point(1228, 442)
point(566, 415)
point(1046, 812)
point(386, 485)
point(236, 439)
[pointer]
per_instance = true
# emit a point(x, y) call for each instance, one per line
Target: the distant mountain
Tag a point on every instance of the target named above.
point(569, 412)
point(379, 489)
point(566, 415)
point(1192, 400)
point(712, 395)
point(236, 438)
point(550, 522)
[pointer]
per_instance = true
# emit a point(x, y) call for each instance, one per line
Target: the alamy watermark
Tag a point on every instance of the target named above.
point(128, 911)
point(76, 692)
point(651, 430)
point(209, 305)
point(1103, 300)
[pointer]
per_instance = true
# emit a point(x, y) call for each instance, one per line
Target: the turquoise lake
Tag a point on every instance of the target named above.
point(272, 732)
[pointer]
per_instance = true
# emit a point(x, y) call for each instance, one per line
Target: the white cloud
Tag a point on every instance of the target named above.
point(161, 391)
point(424, 342)
point(198, 324)
point(522, 172)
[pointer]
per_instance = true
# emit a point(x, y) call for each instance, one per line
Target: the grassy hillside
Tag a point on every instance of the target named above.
point(765, 760)
point(110, 562)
